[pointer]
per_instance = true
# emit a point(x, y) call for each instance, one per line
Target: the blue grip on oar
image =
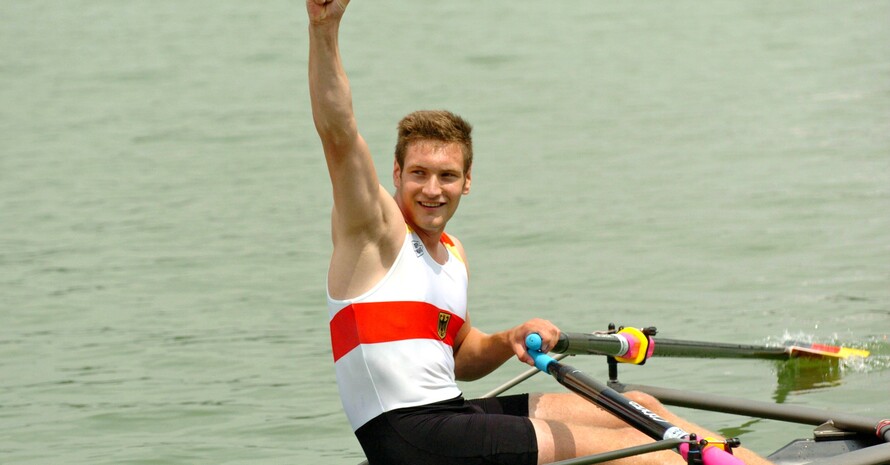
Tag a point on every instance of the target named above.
point(533, 345)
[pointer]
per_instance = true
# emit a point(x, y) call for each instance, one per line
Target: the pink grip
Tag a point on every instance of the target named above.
point(713, 456)
point(639, 346)
point(633, 347)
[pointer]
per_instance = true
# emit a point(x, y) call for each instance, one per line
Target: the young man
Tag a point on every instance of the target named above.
point(397, 284)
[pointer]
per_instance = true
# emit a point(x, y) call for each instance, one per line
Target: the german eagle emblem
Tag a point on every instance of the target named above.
point(444, 318)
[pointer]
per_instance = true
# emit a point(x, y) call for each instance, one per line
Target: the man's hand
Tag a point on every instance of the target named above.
point(323, 11)
point(549, 336)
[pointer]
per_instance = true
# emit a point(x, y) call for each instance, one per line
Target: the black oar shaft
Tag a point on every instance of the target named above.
point(583, 343)
point(611, 344)
point(630, 412)
point(678, 348)
point(782, 412)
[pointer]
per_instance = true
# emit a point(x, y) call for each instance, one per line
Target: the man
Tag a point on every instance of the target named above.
point(397, 285)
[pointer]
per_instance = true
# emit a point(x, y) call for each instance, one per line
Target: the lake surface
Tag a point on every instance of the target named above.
point(720, 171)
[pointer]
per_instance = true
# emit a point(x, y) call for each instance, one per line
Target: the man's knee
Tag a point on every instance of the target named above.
point(646, 400)
point(548, 404)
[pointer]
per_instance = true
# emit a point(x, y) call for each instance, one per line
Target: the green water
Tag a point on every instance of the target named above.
point(720, 170)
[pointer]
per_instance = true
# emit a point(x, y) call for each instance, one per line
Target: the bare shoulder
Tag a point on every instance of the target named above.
point(462, 253)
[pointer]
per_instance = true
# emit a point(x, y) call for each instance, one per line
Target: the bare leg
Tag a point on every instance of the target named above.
point(568, 424)
point(560, 441)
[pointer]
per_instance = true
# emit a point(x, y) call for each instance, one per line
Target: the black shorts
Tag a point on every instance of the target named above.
point(457, 431)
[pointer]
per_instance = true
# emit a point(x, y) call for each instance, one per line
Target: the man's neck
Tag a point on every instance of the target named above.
point(431, 240)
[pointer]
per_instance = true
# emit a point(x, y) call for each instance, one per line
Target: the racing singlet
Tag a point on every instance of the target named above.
point(393, 345)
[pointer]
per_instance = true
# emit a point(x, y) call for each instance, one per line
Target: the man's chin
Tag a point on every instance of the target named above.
point(431, 224)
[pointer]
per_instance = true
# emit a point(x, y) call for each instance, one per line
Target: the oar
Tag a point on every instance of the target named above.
point(632, 413)
point(791, 349)
point(866, 426)
point(619, 344)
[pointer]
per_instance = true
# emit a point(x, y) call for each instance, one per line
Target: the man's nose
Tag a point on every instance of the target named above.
point(432, 187)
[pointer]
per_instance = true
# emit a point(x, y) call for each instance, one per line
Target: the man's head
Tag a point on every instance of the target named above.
point(435, 125)
point(432, 168)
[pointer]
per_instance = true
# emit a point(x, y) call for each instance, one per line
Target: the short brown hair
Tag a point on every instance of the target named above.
point(437, 125)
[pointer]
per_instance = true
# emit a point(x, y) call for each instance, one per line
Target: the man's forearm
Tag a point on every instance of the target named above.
point(329, 87)
point(480, 354)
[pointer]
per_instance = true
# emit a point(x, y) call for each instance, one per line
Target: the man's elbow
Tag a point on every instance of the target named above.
point(471, 371)
point(463, 375)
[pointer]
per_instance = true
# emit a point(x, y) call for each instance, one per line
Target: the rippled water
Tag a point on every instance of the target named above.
point(720, 171)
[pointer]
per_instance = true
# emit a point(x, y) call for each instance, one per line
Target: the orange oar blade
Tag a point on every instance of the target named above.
point(807, 349)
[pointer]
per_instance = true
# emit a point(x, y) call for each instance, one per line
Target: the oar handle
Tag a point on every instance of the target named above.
point(533, 346)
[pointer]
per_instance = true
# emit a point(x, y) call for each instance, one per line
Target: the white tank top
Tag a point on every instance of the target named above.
point(393, 345)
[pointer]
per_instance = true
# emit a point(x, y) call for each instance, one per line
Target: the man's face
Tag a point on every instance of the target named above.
point(430, 185)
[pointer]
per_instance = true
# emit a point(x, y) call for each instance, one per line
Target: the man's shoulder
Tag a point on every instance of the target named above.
point(453, 244)
point(358, 262)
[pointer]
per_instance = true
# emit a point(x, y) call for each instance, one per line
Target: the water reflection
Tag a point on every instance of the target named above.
point(805, 374)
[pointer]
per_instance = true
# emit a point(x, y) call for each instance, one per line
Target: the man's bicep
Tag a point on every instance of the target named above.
point(359, 199)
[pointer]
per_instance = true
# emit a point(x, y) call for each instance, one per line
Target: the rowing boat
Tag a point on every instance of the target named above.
point(838, 438)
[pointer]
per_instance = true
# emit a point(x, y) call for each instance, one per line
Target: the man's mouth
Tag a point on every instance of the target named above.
point(431, 204)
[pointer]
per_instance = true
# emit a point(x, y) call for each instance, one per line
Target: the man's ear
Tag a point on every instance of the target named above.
point(467, 182)
point(396, 174)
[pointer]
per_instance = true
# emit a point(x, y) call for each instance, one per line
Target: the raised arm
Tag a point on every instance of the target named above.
point(358, 197)
point(367, 226)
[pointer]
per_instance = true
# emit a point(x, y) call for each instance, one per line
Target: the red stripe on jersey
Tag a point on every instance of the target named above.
point(374, 322)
